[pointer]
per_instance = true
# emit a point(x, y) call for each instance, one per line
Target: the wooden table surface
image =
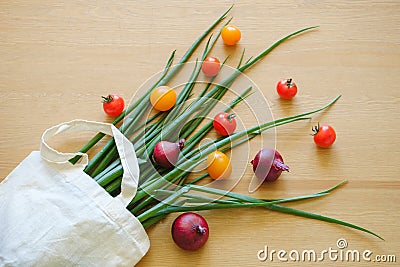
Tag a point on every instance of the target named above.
point(59, 57)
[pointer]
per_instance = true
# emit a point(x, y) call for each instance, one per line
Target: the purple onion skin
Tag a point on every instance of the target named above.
point(166, 154)
point(190, 231)
point(268, 165)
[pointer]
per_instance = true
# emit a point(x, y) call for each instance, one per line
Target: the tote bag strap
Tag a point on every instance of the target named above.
point(125, 149)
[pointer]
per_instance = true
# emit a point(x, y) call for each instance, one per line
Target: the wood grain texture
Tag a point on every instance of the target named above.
point(59, 57)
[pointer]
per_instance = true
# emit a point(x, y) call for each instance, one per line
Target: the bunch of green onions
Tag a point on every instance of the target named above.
point(161, 191)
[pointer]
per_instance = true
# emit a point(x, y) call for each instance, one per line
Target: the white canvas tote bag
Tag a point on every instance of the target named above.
point(54, 214)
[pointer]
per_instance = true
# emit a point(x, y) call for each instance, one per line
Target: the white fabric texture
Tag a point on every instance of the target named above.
point(54, 214)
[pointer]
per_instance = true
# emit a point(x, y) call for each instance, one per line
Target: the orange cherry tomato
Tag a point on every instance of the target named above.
point(163, 98)
point(218, 165)
point(231, 35)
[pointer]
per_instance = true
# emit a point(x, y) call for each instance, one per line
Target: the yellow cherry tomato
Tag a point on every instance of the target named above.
point(231, 35)
point(163, 98)
point(218, 165)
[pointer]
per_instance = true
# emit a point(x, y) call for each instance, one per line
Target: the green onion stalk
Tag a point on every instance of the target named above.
point(164, 191)
point(109, 152)
point(171, 126)
point(136, 109)
point(199, 154)
point(115, 169)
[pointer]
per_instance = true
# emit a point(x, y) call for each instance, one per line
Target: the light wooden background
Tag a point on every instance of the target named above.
point(59, 57)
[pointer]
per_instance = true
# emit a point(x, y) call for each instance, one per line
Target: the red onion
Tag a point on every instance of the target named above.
point(268, 165)
point(166, 153)
point(190, 231)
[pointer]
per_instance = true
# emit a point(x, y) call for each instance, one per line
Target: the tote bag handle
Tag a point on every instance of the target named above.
point(125, 149)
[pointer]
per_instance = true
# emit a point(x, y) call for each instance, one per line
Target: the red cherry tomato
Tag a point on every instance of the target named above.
point(286, 88)
point(113, 105)
point(324, 135)
point(230, 35)
point(224, 123)
point(211, 66)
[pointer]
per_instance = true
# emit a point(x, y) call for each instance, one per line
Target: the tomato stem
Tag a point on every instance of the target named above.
point(230, 117)
point(107, 99)
point(315, 129)
point(289, 82)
